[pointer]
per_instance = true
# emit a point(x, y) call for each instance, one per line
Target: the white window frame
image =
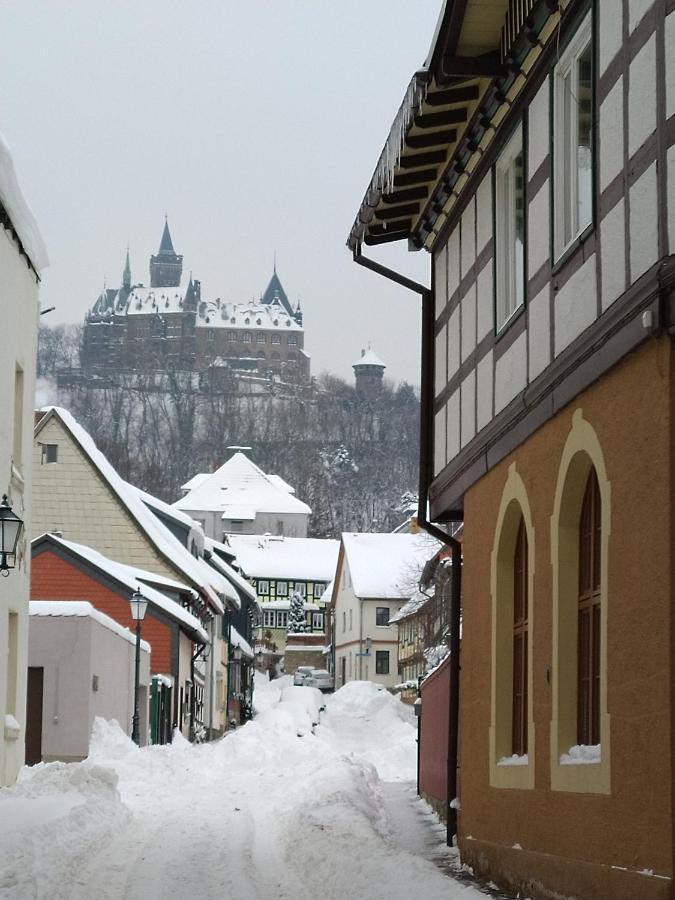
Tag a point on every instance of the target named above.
point(565, 141)
point(317, 621)
point(263, 588)
point(507, 303)
point(282, 589)
point(319, 588)
point(282, 619)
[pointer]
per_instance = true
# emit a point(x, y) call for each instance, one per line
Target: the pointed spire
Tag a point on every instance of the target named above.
point(166, 245)
point(126, 274)
point(275, 262)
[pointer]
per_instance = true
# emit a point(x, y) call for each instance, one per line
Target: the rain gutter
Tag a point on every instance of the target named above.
point(425, 477)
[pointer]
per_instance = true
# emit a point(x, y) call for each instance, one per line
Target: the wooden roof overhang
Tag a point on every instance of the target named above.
point(482, 54)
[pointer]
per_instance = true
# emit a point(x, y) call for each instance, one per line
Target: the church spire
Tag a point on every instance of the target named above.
point(166, 245)
point(126, 274)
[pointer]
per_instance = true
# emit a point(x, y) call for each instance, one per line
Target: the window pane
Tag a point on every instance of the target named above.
point(518, 295)
point(584, 139)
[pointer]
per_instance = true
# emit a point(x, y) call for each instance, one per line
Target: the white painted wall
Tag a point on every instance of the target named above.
point(72, 650)
point(19, 302)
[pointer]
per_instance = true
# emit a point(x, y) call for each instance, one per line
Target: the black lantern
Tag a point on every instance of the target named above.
point(138, 605)
point(11, 527)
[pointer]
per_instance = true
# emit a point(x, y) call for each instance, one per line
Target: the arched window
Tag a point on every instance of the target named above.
point(588, 632)
point(512, 731)
point(247, 337)
point(520, 644)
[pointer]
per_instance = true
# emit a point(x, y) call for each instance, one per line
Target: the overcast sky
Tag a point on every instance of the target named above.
point(254, 125)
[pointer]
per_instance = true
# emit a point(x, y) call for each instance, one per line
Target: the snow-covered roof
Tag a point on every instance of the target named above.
point(143, 300)
point(280, 483)
point(296, 559)
point(195, 481)
point(415, 604)
point(236, 640)
point(168, 545)
point(19, 212)
point(216, 560)
point(135, 580)
point(387, 566)
point(252, 316)
point(240, 485)
point(82, 608)
point(369, 358)
point(239, 513)
point(167, 509)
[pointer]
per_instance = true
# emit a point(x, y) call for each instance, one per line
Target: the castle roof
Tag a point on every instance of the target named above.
point(276, 295)
point(369, 358)
point(219, 314)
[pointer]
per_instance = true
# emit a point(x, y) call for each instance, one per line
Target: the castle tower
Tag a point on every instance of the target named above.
point(166, 267)
point(368, 372)
point(126, 274)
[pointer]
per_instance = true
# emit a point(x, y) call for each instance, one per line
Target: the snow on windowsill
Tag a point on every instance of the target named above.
point(12, 728)
point(580, 755)
point(514, 760)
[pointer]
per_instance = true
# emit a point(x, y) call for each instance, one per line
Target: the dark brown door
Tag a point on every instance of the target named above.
point(34, 716)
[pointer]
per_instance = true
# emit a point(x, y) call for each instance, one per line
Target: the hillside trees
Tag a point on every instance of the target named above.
point(350, 459)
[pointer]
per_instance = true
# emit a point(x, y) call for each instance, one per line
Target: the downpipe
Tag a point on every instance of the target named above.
point(425, 477)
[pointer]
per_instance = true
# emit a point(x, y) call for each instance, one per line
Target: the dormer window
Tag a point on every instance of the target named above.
point(50, 453)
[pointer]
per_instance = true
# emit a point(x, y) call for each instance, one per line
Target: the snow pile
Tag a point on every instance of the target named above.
point(278, 808)
point(369, 724)
point(581, 754)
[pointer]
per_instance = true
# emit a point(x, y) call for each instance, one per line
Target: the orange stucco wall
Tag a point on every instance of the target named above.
point(573, 840)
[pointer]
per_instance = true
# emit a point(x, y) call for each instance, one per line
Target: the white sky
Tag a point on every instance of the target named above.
point(255, 125)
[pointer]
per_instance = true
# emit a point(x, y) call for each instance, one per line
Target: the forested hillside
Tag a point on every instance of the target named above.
point(354, 461)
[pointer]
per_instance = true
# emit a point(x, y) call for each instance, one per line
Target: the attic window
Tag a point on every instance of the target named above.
point(50, 453)
point(276, 321)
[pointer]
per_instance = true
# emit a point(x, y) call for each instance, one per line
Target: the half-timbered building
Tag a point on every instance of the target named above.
point(533, 157)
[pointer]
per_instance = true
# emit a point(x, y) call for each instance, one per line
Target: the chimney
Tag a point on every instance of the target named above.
point(232, 449)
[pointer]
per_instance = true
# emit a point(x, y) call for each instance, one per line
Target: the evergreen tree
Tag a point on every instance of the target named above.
point(296, 616)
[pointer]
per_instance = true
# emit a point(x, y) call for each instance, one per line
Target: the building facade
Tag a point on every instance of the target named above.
point(22, 258)
point(168, 327)
point(548, 395)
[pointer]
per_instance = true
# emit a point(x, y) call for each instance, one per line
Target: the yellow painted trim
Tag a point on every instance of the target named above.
point(582, 450)
point(514, 504)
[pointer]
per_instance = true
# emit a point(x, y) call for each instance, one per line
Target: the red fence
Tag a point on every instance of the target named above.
point(433, 749)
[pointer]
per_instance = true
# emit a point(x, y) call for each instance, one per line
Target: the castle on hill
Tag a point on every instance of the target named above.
point(167, 326)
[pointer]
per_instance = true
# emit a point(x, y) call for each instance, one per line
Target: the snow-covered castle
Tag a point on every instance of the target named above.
point(169, 327)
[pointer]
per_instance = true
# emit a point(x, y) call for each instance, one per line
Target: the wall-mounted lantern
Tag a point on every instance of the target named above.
point(11, 527)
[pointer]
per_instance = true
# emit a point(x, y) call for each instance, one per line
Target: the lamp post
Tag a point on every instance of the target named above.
point(138, 605)
point(11, 527)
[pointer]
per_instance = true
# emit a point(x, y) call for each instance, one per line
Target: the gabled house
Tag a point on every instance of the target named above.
point(64, 571)
point(277, 568)
point(376, 575)
point(22, 258)
point(80, 496)
point(533, 159)
point(239, 498)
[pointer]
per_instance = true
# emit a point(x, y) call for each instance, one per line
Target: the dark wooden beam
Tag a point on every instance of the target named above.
point(407, 179)
point(440, 119)
point(432, 139)
point(400, 226)
point(386, 237)
point(405, 196)
point(489, 65)
point(448, 97)
point(397, 212)
point(419, 160)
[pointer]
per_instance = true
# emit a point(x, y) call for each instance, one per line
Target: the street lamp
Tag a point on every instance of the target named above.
point(138, 605)
point(11, 527)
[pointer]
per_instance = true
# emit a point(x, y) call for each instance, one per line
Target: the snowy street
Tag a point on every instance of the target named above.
point(277, 809)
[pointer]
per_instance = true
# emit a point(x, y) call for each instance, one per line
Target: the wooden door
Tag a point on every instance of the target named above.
point(34, 715)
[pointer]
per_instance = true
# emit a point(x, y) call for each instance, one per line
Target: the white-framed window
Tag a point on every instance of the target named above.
point(573, 140)
point(260, 338)
point(232, 336)
point(275, 339)
point(282, 619)
point(300, 588)
point(269, 618)
point(263, 588)
point(50, 453)
point(510, 229)
point(247, 337)
point(292, 339)
point(282, 589)
point(317, 621)
point(319, 588)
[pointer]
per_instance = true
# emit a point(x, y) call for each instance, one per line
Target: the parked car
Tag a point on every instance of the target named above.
point(301, 673)
point(321, 679)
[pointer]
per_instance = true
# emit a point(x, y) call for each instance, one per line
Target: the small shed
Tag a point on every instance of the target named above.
point(80, 665)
